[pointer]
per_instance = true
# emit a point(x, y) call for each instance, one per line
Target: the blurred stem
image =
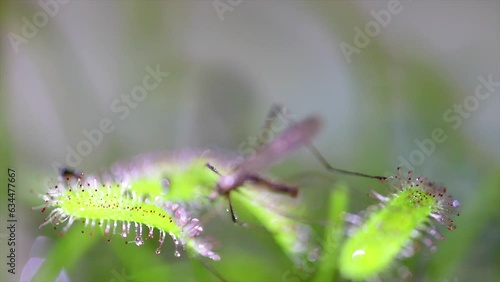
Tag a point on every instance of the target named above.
point(338, 204)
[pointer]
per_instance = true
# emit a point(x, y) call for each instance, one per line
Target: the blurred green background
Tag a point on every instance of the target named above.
point(228, 62)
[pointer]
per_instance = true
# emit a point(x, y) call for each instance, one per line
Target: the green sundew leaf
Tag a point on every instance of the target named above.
point(377, 242)
point(147, 186)
point(124, 207)
point(274, 214)
point(138, 200)
point(191, 182)
point(108, 204)
point(339, 201)
point(176, 180)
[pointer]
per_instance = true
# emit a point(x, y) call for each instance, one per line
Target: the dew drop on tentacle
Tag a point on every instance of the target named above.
point(150, 232)
point(160, 240)
point(138, 234)
point(408, 177)
point(139, 241)
point(46, 198)
point(52, 218)
point(107, 229)
point(92, 226)
point(42, 207)
point(176, 243)
point(124, 230)
point(115, 225)
point(68, 225)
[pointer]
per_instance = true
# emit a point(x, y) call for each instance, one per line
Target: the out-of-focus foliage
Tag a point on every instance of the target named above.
point(380, 107)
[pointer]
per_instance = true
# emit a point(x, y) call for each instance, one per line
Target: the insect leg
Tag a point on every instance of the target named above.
point(212, 168)
point(328, 167)
point(316, 153)
point(277, 187)
point(214, 195)
point(234, 217)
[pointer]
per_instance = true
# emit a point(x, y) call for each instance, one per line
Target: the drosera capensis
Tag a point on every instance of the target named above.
point(121, 207)
point(165, 194)
point(159, 191)
point(401, 218)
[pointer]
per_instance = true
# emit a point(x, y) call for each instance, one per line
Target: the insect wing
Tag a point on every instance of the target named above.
point(296, 135)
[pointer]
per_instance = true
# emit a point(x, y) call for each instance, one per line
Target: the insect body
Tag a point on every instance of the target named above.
point(297, 135)
point(292, 138)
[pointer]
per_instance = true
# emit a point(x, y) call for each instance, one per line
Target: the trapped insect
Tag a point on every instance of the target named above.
point(298, 134)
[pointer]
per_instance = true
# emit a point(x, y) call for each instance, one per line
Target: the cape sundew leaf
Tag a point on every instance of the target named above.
point(136, 198)
point(384, 234)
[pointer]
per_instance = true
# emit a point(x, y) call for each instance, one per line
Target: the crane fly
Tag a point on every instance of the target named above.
point(298, 134)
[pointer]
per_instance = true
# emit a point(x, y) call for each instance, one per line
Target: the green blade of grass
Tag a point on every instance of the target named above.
point(338, 204)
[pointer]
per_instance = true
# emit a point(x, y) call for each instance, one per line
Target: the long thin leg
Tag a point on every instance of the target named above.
point(328, 167)
point(212, 168)
point(277, 187)
point(271, 185)
point(278, 108)
point(234, 217)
